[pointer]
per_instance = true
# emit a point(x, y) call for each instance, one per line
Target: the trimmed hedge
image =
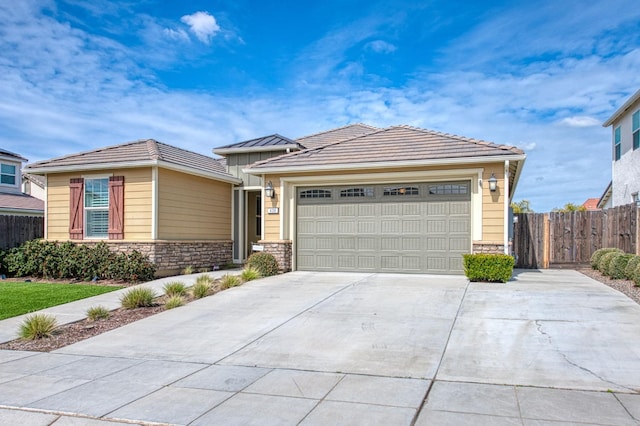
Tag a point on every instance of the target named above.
point(636, 276)
point(488, 267)
point(606, 259)
point(617, 266)
point(67, 260)
point(264, 262)
point(631, 267)
point(595, 257)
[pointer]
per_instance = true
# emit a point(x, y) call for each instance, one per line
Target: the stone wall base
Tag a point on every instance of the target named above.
point(488, 247)
point(281, 250)
point(172, 256)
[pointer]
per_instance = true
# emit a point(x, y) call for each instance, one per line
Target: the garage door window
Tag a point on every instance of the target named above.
point(357, 192)
point(400, 191)
point(315, 193)
point(448, 189)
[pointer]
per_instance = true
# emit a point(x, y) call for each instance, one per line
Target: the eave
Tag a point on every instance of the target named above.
point(130, 165)
point(620, 111)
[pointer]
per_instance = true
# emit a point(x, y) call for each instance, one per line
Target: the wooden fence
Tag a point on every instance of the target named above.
point(543, 240)
point(15, 230)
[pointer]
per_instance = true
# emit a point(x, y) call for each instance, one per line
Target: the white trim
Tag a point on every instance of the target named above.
point(133, 164)
point(154, 203)
point(628, 104)
point(506, 207)
point(17, 177)
point(382, 165)
point(46, 207)
point(476, 209)
point(251, 149)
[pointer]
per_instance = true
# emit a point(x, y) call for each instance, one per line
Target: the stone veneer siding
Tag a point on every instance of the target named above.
point(281, 250)
point(172, 256)
point(488, 248)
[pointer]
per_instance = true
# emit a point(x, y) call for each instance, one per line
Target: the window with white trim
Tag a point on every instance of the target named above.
point(357, 192)
point(8, 174)
point(617, 148)
point(635, 129)
point(96, 207)
point(315, 193)
point(400, 190)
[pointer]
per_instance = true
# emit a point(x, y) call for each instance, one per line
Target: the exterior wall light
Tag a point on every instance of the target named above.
point(493, 183)
point(268, 190)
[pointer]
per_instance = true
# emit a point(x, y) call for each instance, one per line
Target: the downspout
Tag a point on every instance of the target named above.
point(506, 207)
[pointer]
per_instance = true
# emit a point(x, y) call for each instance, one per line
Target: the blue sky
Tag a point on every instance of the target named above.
point(78, 75)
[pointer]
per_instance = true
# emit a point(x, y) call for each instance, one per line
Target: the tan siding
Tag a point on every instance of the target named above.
point(137, 203)
point(192, 207)
point(493, 204)
point(272, 221)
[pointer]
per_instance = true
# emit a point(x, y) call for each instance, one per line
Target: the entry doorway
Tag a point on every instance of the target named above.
point(247, 221)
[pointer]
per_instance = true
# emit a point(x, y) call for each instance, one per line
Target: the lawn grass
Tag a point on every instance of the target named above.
point(17, 298)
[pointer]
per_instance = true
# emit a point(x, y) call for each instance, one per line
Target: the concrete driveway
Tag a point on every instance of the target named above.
point(550, 347)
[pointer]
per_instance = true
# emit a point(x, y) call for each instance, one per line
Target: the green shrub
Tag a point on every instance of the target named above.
point(37, 326)
point(204, 279)
point(95, 313)
point(229, 281)
point(265, 263)
point(605, 261)
point(201, 289)
point(631, 267)
point(174, 302)
point(617, 266)
point(250, 274)
point(188, 270)
point(138, 297)
point(175, 288)
point(595, 257)
point(636, 276)
point(488, 267)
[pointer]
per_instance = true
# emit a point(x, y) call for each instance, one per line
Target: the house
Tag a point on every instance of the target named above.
point(625, 165)
point(591, 204)
point(169, 203)
point(13, 202)
point(355, 198)
point(33, 185)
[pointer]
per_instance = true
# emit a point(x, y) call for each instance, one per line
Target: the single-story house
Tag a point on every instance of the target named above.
point(356, 198)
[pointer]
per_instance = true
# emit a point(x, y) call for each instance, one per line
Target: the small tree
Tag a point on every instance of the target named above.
point(522, 206)
point(570, 207)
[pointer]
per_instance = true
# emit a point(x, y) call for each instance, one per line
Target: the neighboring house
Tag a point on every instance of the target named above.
point(33, 185)
point(591, 204)
point(625, 179)
point(171, 204)
point(356, 198)
point(13, 201)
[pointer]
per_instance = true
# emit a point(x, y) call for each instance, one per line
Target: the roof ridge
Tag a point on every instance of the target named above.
point(154, 151)
point(90, 151)
point(337, 128)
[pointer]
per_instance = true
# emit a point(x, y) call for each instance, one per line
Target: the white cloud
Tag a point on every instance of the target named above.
point(580, 121)
point(203, 25)
point(381, 46)
point(178, 34)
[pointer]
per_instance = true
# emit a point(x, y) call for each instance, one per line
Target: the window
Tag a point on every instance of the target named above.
point(357, 192)
point(448, 189)
point(635, 129)
point(7, 174)
point(402, 190)
point(315, 193)
point(96, 205)
point(616, 144)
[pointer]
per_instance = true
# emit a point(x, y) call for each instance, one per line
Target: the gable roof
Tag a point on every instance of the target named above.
point(37, 179)
point(273, 142)
point(140, 153)
point(21, 203)
point(327, 137)
point(393, 146)
point(11, 155)
point(628, 104)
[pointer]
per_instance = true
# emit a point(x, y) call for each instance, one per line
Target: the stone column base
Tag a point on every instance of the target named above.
point(487, 247)
point(281, 250)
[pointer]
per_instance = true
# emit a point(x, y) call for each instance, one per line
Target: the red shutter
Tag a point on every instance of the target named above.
point(116, 207)
point(76, 212)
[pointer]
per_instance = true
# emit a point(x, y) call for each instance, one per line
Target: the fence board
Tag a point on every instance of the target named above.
point(15, 230)
point(574, 236)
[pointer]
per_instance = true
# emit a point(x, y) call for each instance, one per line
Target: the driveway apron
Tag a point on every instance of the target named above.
point(549, 347)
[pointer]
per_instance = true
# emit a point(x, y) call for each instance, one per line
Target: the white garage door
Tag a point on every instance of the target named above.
point(417, 227)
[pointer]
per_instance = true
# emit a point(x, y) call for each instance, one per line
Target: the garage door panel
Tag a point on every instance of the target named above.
point(391, 234)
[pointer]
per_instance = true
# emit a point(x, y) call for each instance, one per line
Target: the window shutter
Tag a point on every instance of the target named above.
point(76, 212)
point(116, 207)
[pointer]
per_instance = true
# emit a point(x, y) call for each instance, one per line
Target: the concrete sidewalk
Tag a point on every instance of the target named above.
point(76, 311)
point(548, 348)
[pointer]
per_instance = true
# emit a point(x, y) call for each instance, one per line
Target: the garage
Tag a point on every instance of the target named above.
point(422, 227)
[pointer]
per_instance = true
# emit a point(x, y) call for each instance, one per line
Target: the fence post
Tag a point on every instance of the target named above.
point(546, 241)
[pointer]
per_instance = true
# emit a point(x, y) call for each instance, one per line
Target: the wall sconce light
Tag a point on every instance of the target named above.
point(268, 190)
point(493, 183)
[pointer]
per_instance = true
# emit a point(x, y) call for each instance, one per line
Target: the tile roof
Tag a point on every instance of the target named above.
point(317, 140)
point(272, 141)
point(5, 153)
point(140, 152)
point(392, 144)
point(591, 204)
point(20, 202)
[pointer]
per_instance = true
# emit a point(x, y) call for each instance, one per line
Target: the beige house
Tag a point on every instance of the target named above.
point(356, 198)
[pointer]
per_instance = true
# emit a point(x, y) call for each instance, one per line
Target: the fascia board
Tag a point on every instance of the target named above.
point(383, 165)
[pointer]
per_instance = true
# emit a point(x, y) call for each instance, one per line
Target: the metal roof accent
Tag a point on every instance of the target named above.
point(273, 142)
